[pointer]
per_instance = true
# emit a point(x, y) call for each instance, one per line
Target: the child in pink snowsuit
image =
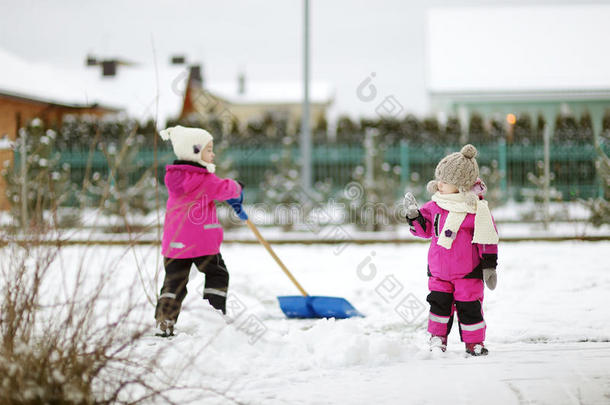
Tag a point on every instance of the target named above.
point(192, 233)
point(463, 249)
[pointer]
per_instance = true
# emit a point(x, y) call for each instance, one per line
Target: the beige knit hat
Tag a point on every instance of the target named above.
point(459, 168)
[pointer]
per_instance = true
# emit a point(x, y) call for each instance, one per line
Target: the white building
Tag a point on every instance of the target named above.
point(508, 60)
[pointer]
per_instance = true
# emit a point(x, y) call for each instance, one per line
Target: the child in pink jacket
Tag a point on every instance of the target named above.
point(463, 249)
point(192, 233)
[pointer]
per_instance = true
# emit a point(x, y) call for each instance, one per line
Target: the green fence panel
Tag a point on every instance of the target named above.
point(572, 165)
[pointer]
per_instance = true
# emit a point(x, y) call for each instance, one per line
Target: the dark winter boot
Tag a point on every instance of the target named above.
point(476, 349)
point(166, 313)
point(438, 343)
point(165, 328)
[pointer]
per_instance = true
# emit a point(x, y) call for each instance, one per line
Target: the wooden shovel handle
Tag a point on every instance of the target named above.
point(272, 253)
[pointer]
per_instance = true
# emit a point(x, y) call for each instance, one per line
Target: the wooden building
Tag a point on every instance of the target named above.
point(244, 102)
point(17, 110)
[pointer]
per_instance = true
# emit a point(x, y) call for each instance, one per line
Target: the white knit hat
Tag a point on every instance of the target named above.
point(188, 143)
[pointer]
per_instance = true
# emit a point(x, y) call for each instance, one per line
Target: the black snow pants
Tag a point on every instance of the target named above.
point(174, 290)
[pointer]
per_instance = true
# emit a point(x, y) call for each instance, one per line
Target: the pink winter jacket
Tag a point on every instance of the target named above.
point(191, 226)
point(464, 258)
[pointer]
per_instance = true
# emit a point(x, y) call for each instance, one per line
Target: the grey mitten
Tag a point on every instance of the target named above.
point(411, 206)
point(491, 278)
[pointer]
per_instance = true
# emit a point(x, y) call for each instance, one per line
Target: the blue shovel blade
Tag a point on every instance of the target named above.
point(298, 306)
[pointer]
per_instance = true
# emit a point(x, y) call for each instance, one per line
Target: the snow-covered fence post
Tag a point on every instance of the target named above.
point(404, 163)
point(503, 166)
point(369, 159)
point(24, 177)
point(547, 172)
point(370, 177)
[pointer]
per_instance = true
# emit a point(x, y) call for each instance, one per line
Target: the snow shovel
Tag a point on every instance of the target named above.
point(307, 306)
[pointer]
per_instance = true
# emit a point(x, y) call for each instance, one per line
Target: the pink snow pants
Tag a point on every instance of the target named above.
point(465, 295)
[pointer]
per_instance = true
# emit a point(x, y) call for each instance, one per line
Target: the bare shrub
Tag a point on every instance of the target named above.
point(64, 339)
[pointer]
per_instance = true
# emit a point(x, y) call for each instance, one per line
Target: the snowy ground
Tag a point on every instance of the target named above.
point(570, 221)
point(304, 234)
point(548, 330)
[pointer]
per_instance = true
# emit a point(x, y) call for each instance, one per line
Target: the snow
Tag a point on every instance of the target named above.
point(518, 48)
point(20, 78)
point(509, 378)
point(569, 220)
point(143, 92)
point(567, 211)
point(6, 143)
point(548, 331)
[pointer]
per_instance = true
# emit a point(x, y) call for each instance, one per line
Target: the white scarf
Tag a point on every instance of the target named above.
point(458, 205)
point(210, 166)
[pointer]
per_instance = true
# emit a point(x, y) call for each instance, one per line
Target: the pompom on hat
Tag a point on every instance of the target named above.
point(459, 169)
point(188, 143)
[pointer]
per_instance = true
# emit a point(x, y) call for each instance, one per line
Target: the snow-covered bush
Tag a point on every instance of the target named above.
point(46, 184)
point(492, 176)
point(285, 199)
point(600, 207)
point(372, 199)
point(537, 195)
point(85, 163)
point(126, 183)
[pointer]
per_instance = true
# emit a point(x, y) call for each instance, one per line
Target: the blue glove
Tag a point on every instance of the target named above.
point(236, 203)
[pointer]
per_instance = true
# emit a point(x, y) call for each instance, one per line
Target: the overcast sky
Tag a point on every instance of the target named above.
point(350, 39)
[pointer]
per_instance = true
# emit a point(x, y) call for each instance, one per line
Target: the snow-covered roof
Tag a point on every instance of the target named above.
point(525, 48)
point(142, 92)
point(271, 92)
point(38, 82)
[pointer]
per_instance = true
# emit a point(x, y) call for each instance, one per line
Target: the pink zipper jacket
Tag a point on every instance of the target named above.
point(191, 226)
point(464, 258)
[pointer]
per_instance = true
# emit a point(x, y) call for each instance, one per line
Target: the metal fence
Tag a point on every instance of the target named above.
point(514, 167)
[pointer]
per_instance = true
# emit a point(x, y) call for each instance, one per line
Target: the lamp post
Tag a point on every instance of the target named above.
point(305, 128)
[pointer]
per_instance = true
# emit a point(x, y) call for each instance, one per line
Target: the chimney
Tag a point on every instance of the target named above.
point(91, 60)
point(109, 68)
point(178, 60)
point(195, 75)
point(241, 84)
